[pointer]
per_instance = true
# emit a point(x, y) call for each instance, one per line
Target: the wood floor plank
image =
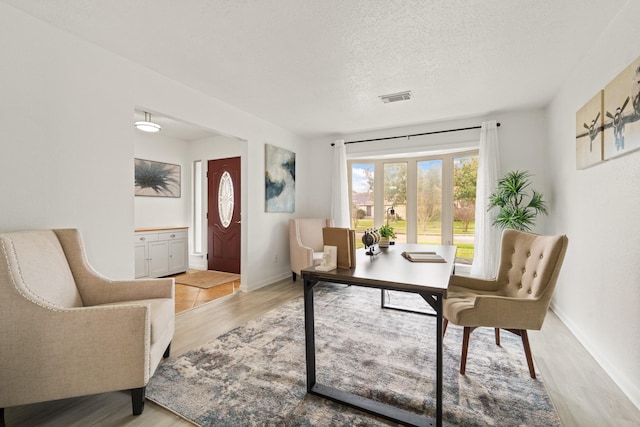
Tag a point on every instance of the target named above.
point(582, 392)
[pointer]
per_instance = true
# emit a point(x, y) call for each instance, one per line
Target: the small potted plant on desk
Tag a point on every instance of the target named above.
point(386, 232)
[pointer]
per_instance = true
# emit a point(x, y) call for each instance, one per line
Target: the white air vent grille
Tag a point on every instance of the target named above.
point(395, 97)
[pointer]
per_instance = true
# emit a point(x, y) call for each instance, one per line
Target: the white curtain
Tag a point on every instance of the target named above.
point(340, 186)
point(487, 237)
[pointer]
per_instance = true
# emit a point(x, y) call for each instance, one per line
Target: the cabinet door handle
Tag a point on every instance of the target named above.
point(142, 238)
point(173, 235)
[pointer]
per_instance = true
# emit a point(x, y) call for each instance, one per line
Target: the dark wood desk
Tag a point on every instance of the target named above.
point(387, 270)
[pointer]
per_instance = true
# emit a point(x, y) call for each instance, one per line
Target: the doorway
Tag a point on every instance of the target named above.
point(224, 215)
point(185, 143)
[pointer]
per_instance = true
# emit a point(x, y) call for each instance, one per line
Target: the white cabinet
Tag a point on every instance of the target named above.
point(178, 255)
point(161, 252)
point(158, 259)
point(142, 266)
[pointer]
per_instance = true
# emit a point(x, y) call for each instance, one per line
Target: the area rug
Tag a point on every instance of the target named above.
point(254, 375)
point(206, 278)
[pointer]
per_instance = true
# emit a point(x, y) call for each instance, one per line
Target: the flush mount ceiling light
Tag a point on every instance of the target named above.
point(395, 97)
point(147, 125)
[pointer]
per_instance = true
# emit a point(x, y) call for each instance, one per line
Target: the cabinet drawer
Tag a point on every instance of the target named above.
point(171, 235)
point(141, 238)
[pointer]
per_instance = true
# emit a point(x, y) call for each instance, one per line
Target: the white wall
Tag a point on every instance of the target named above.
point(163, 211)
point(67, 144)
point(598, 294)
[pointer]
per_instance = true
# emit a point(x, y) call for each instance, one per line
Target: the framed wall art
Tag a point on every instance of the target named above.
point(622, 112)
point(280, 179)
point(156, 179)
point(589, 135)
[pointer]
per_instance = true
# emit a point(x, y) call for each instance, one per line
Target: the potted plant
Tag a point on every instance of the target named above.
point(518, 205)
point(386, 232)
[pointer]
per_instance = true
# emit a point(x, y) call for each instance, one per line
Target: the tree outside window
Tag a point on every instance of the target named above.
point(465, 175)
point(429, 202)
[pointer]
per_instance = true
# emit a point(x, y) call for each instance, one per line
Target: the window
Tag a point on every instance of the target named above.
point(362, 198)
point(225, 199)
point(197, 207)
point(395, 198)
point(429, 201)
point(465, 171)
point(432, 199)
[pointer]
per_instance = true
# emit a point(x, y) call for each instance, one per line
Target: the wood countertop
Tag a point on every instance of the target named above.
point(142, 230)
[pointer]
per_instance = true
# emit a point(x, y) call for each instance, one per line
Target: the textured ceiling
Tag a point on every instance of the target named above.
point(318, 67)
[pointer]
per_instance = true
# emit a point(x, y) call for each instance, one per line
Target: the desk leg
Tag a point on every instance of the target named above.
point(383, 304)
point(309, 333)
point(439, 357)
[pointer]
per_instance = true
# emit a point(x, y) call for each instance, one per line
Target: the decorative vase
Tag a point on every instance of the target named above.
point(384, 242)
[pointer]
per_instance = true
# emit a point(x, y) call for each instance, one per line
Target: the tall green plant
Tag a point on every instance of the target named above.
point(518, 206)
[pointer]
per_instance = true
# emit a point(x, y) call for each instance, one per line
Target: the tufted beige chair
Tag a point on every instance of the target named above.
point(66, 331)
point(306, 243)
point(518, 299)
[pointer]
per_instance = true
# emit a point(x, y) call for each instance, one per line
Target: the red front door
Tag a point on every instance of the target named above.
point(223, 231)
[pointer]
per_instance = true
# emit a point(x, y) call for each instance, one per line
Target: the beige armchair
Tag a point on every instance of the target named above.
point(518, 299)
point(65, 331)
point(306, 245)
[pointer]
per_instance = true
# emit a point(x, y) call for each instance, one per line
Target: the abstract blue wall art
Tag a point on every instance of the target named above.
point(280, 179)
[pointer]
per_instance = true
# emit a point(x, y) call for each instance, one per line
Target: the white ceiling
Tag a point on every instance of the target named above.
point(317, 67)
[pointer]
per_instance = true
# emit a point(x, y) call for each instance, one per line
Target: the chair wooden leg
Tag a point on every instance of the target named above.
point(294, 276)
point(2, 417)
point(137, 400)
point(445, 323)
point(527, 352)
point(465, 347)
point(167, 352)
point(497, 336)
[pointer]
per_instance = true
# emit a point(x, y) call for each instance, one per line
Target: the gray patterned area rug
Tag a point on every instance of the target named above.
point(255, 375)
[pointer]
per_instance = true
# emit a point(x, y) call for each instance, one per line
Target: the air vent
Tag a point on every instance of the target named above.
point(395, 97)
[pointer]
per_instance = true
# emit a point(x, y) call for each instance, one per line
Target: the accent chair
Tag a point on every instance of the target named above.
point(517, 300)
point(306, 244)
point(66, 331)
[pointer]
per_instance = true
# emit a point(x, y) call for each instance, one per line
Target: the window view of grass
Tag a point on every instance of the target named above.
point(465, 174)
point(465, 250)
point(428, 205)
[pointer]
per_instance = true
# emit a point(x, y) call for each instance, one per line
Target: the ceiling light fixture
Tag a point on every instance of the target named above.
point(395, 97)
point(147, 125)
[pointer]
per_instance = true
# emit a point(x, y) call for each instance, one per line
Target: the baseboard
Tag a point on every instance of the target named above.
point(631, 390)
point(197, 262)
point(268, 281)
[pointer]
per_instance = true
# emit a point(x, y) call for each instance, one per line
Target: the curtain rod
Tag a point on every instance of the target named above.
point(415, 134)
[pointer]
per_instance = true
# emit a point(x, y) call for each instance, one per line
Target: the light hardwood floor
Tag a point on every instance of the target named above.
point(188, 297)
point(582, 393)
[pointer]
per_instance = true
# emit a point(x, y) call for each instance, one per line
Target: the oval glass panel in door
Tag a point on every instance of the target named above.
point(225, 199)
